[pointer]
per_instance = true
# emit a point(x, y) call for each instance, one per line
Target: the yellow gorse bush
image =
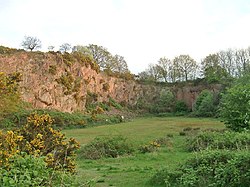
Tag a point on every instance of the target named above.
point(38, 138)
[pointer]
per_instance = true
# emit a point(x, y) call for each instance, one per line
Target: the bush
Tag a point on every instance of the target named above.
point(37, 137)
point(235, 105)
point(113, 147)
point(9, 94)
point(28, 170)
point(219, 140)
point(181, 106)
point(165, 102)
point(209, 168)
point(149, 148)
point(25, 170)
point(156, 144)
point(205, 104)
point(60, 119)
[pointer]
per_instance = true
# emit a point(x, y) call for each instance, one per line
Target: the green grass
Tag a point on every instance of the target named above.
point(137, 169)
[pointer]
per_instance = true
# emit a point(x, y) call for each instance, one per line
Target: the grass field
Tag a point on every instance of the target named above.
point(136, 170)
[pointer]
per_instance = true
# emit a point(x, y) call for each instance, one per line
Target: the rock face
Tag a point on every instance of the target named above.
point(50, 82)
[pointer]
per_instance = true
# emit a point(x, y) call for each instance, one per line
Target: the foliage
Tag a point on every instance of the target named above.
point(28, 170)
point(105, 87)
point(10, 97)
point(205, 104)
point(151, 147)
point(235, 105)
point(31, 43)
point(66, 47)
point(181, 106)
point(212, 70)
point(60, 119)
point(213, 168)
point(164, 103)
point(70, 84)
point(25, 170)
point(8, 51)
point(52, 69)
point(37, 137)
point(219, 140)
point(113, 103)
point(156, 144)
point(107, 147)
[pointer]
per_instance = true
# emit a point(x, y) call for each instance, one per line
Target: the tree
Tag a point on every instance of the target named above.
point(101, 55)
point(205, 105)
point(118, 64)
point(66, 47)
point(164, 68)
point(235, 105)
point(242, 58)
point(186, 67)
point(31, 43)
point(51, 48)
point(211, 69)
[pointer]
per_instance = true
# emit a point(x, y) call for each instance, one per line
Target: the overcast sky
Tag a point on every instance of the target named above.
point(140, 30)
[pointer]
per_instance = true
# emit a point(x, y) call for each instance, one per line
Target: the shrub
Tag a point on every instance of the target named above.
point(9, 94)
point(157, 143)
point(165, 102)
point(149, 148)
point(60, 119)
point(181, 106)
point(52, 69)
point(28, 170)
point(235, 105)
point(105, 87)
point(25, 170)
point(209, 168)
point(37, 137)
point(204, 105)
point(113, 147)
point(113, 103)
point(219, 140)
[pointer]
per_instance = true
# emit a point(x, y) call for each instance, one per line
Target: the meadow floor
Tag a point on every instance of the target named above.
point(137, 169)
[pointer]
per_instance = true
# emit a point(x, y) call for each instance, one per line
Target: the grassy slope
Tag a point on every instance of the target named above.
point(137, 169)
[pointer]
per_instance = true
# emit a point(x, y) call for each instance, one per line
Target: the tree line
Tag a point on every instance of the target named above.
point(216, 67)
point(231, 63)
point(106, 61)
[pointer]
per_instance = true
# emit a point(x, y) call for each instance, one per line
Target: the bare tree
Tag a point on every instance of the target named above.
point(66, 47)
point(31, 43)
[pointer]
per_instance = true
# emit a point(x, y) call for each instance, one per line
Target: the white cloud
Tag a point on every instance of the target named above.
point(140, 30)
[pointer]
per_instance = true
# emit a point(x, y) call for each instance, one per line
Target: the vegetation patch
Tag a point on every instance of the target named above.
point(38, 138)
point(213, 168)
point(219, 140)
point(102, 147)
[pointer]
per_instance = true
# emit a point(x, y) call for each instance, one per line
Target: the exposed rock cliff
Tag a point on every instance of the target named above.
point(52, 80)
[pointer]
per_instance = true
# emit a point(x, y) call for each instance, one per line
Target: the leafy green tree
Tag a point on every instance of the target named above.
point(186, 67)
point(164, 103)
point(205, 104)
point(31, 43)
point(101, 55)
point(211, 69)
point(118, 64)
point(164, 65)
point(235, 105)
